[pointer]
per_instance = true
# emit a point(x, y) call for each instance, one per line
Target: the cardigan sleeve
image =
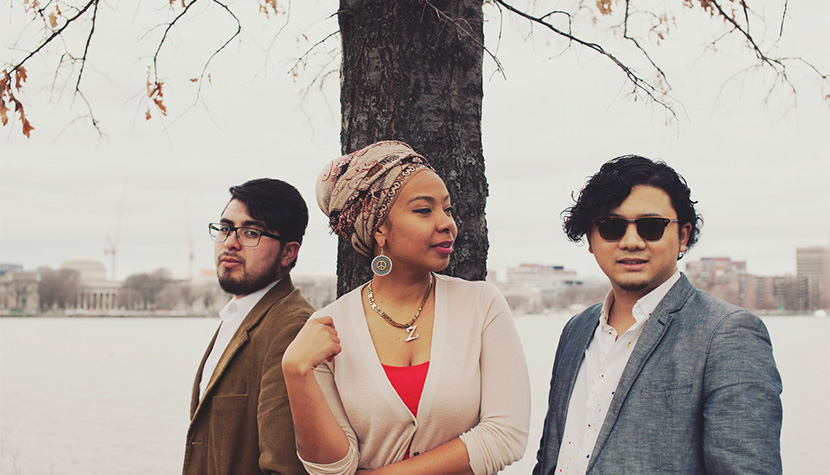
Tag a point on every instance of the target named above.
point(348, 464)
point(500, 437)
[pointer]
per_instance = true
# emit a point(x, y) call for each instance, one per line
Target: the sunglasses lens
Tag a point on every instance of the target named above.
point(651, 229)
point(611, 229)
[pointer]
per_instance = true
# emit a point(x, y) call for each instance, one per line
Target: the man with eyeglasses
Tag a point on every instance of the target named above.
point(240, 417)
point(661, 377)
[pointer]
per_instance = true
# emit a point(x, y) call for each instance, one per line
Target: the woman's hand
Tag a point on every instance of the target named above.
point(317, 341)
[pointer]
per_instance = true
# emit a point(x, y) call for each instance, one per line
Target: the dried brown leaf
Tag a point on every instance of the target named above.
point(155, 92)
point(161, 106)
point(27, 127)
point(20, 77)
point(4, 112)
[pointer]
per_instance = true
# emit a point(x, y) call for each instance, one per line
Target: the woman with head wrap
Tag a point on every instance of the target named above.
point(413, 372)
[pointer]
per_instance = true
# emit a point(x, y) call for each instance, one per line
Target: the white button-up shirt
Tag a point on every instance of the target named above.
point(231, 317)
point(605, 359)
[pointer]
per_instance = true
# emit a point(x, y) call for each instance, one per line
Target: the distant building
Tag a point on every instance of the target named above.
point(5, 268)
point(813, 260)
point(720, 276)
point(19, 291)
point(319, 290)
point(536, 288)
point(728, 280)
point(203, 293)
point(813, 272)
point(96, 293)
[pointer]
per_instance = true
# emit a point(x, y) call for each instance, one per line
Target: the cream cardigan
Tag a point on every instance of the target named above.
point(477, 386)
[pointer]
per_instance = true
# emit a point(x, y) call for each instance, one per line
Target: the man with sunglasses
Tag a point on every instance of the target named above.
point(240, 418)
point(661, 377)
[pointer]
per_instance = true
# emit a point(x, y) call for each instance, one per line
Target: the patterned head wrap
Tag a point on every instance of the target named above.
point(356, 191)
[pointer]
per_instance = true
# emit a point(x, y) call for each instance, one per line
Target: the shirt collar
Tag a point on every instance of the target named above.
point(646, 304)
point(243, 305)
point(651, 300)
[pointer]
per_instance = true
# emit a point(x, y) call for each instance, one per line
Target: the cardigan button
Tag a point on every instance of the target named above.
point(416, 454)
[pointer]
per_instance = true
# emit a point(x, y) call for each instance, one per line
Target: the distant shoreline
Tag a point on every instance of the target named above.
point(131, 314)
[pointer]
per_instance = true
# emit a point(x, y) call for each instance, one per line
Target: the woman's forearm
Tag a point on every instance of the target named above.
point(320, 439)
point(449, 458)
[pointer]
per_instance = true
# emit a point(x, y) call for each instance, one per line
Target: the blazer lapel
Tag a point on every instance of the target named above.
point(653, 331)
point(194, 396)
point(572, 355)
point(282, 289)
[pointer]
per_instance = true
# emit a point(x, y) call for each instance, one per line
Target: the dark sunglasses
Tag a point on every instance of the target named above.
point(613, 229)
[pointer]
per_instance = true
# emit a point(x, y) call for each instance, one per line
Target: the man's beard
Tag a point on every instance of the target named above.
point(249, 284)
point(635, 286)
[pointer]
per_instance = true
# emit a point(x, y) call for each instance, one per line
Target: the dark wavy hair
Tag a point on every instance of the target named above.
point(276, 203)
point(609, 187)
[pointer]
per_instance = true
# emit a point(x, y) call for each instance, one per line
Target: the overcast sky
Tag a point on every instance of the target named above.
point(758, 164)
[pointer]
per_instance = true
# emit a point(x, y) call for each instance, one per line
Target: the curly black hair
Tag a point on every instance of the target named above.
point(609, 187)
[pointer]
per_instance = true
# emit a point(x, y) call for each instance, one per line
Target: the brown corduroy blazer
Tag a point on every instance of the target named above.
point(243, 423)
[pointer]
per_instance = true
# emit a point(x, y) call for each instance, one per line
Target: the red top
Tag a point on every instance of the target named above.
point(408, 381)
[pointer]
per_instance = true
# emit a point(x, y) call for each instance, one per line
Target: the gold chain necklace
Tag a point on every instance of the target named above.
point(410, 328)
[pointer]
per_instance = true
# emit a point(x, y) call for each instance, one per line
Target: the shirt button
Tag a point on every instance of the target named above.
point(602, 376)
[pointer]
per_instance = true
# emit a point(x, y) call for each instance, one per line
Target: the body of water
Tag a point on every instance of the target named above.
point(111, 395)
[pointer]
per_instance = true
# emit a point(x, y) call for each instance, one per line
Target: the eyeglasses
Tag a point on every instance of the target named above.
point(247, 237)
point(613, 229)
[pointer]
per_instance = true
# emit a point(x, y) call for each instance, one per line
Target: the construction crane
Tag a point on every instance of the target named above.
point(112, 243)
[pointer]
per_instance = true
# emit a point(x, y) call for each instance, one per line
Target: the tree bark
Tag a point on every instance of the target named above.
point(412, 71)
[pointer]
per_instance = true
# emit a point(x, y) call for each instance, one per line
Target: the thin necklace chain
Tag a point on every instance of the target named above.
point(393, 322)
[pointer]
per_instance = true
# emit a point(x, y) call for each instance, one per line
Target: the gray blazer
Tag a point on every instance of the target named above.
point(700, 393)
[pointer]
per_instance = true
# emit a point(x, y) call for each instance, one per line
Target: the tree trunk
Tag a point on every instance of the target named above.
point(412, 71)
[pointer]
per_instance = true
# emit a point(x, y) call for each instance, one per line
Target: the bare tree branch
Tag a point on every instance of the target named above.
point(18, 71)
point(736, 15)
point(55, 34)
point(181, 15)
point(86, 46)
point(304, 56)
point(659, 70)
point(775, 64)
point(638, 82)
point(463, 25)
point(783, 15)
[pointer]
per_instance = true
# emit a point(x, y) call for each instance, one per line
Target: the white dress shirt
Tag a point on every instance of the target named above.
point(598, 377)
point(231, 317)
